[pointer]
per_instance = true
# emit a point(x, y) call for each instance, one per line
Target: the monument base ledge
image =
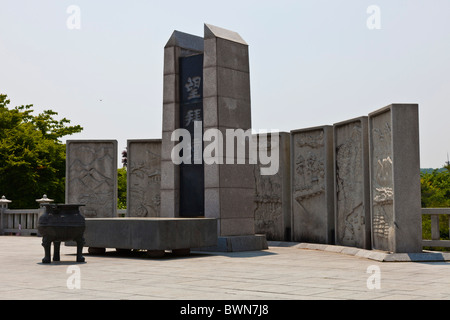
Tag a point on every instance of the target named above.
point(244, 243)
point(381, 256)
point(154, 234)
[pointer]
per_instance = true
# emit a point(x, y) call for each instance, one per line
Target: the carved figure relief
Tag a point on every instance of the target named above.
point(382, 183)
point(349, 182)
point(269, 209)
point(268, 204)
point(144, 181)
point(309, 166)
point(380, 222)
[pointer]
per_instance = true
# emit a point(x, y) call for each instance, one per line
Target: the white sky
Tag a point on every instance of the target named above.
point(312, 62)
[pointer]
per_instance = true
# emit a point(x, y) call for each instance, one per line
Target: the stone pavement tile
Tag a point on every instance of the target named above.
point(228, 295)
point(37, 294)
point(209, 283)
point(270, 288)
point(362, 295)
point(305, 291)
point(262, 295)
point(165, 293)
point(432, 294)
point(104, 295)
point(244, 284)
point(405, 286)
point(136, 297)
point(343, 294)
point(316, 282)
point(399, 296)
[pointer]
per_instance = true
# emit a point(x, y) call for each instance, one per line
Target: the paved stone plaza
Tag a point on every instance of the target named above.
point(280, 273)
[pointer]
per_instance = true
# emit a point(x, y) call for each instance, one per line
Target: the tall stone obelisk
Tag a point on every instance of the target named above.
point(217, 95)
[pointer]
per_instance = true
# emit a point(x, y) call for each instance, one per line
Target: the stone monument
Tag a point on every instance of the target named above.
point(229, 190)
point(395, 179)
point(273, 194)
point(312, 185)
point(91, 176)
point(207, 86)
point(352, 186)
point(143, 178)
point(180, 46)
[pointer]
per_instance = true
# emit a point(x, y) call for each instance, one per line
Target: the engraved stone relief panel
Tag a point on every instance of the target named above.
point(351, 207)
point(144, 178)
point(268, 210)
point(312, 214)
point(268, 202)
point(309, 165)
point(382, 180)
point(272, 192)
point(91, 175)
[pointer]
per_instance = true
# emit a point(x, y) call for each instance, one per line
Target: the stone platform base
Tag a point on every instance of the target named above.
point(238, 244)
point(381, 256)
point(152, 234)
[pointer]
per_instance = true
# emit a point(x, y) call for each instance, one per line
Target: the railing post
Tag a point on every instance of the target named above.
point(3, 206)
point(44, 200)
point(435, 233)
point(448, 224)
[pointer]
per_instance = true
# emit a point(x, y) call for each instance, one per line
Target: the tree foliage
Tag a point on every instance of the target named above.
point(436, 194)
point(32, 158)
point(436, 189)
point(122, 188)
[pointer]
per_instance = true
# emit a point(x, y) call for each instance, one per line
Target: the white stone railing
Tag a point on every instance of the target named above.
point(25, 221)
point(19, 222)
point(435, 233)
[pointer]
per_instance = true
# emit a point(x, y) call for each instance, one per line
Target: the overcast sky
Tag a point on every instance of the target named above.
point(313, 62)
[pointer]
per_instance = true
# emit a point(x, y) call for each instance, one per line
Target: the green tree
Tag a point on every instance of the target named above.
point(436, 194)
point(122, 188)
point(436, 189)
point(32, 158)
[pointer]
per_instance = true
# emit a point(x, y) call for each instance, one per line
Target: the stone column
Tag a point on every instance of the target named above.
point(229, 187)
point(352, 185)
point(312, 185)
point(3, 206)
point(395, 179)
point(221, 101)
point(144, 178)
point(179, 45)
